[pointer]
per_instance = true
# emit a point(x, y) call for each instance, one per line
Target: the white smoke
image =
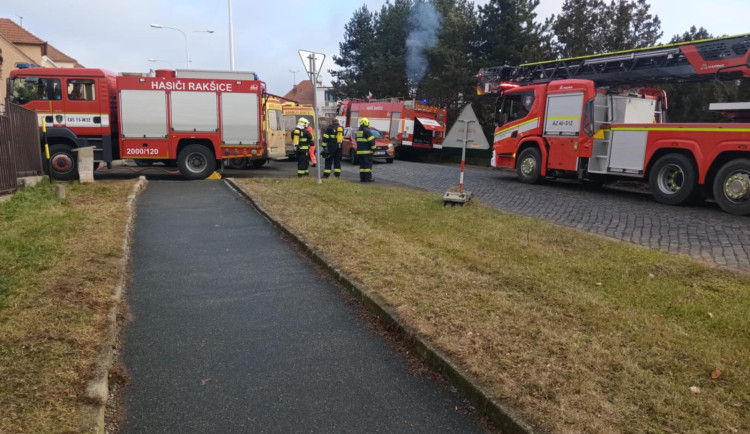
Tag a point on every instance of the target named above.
point(425, 22)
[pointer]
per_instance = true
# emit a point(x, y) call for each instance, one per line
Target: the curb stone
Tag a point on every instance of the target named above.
point(97, 390)
point(505, 419)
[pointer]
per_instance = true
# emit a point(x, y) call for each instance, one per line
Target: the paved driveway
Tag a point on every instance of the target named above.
point(234, 332)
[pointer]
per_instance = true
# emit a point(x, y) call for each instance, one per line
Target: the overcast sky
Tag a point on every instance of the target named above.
point(115, 35)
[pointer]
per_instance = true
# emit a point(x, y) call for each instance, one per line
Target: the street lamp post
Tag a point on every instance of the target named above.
point(160, 60)
point(184, 35)
point(294, 77)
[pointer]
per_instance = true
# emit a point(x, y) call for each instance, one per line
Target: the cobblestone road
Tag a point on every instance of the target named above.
point(702, 231)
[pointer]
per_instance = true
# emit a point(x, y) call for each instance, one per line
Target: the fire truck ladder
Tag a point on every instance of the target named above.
point(666, 63)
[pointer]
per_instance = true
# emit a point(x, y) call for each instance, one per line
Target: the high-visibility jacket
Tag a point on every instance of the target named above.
point(365, 141)
point(301, 139)
point(333, 137)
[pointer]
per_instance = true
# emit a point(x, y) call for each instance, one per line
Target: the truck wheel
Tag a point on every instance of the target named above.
point(674, 180)
point(62, 162)
point(237, 163)
point(732, 187)
point(259, 163)
point(529, 166)
point(353, 157)
point(196, 162)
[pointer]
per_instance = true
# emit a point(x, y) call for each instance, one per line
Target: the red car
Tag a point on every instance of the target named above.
point(384, 146)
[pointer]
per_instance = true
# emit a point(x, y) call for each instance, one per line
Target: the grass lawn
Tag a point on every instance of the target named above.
point(576, 332)
point(58, 262)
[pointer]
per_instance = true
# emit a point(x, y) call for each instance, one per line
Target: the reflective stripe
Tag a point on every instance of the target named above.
point(699, 129)
point(304, 148)
point(365, 170)
point(327, 171)
point(516, 126)
point(364, 152)
point(337, 170)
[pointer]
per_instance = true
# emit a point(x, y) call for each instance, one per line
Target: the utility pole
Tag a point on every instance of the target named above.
point(313, 63)
point(231, 39)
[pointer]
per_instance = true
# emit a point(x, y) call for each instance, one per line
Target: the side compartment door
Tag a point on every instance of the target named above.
point(143, 121)
point(562, 127)
point(240, 123)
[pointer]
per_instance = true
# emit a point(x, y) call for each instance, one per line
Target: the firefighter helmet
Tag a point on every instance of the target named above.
point(304, 122)
point(365, 122)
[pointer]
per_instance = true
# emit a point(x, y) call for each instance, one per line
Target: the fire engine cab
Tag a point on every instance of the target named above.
point(191, 118)
point(405, 122)
point(569, 118)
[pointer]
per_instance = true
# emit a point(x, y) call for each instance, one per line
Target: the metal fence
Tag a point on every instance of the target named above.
point(20, 153)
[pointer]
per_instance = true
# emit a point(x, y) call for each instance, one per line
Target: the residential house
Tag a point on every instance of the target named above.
point(303, 94)
point(19, 46)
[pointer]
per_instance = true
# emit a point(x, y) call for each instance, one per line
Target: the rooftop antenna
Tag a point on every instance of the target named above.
point(21, 20)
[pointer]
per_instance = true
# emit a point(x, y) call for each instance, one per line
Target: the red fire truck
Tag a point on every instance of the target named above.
point(191, 118)
point(567, 118)
point(404, 121)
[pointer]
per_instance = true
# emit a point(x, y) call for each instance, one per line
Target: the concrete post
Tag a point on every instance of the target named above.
point(86, 164)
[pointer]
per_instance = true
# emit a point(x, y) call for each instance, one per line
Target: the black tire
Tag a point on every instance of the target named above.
point(353, 157)
point(63, 164)
point(389, 160)
point(237, 163)
point(144, 163)
point(674, 180)
point(196, 162)
point(732, 187)
point(529, 166)
point(259, 163)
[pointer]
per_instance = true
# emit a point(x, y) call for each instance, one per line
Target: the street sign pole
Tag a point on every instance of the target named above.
point(463, 154)
point(313, 63)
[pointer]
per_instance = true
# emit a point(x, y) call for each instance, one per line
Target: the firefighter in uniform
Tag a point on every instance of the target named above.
point(302, 139)
point(365, 148)
point(332, 143)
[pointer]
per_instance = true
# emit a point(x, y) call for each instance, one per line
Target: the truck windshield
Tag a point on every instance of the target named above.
point(27, 89)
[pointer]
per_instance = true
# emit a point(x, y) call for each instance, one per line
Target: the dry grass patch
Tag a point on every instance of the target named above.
point(579, 333)
point(58, 262)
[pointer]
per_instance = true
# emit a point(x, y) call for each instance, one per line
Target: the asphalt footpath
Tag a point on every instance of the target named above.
point(233, 331)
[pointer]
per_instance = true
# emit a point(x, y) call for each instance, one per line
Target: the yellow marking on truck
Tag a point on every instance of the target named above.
point(563, 117)
point(517, 126)
point(690, 129)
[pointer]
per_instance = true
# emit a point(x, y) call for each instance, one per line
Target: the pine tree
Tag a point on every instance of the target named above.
point(508, 33)
point(579, 27)
point(356, 76)
point(451, 77)
point(630, 26)
point(389, 50)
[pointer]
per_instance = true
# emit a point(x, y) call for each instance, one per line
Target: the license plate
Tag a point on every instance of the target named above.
point(379, 152)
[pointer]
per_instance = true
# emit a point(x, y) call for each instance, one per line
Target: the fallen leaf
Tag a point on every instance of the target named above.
point(651, 275)
point(716, 373)
point(598, 283)
point(710, 315)
point(695, 389)
point(205, 381)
